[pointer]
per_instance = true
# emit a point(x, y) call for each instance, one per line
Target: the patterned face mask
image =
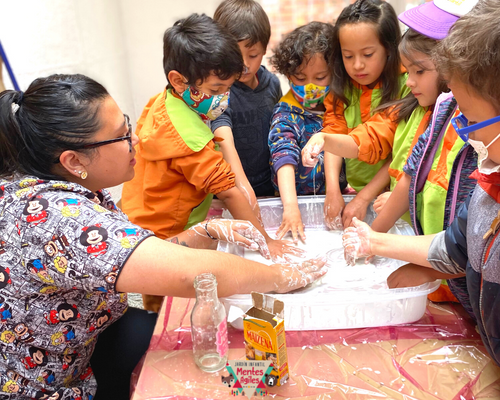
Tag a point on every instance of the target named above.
point(207, 106)
point(310, 95)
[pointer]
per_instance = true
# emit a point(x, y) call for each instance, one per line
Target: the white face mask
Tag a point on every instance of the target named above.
point(485, 165)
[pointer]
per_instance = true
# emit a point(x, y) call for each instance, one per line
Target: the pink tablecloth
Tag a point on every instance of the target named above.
point(439, 357)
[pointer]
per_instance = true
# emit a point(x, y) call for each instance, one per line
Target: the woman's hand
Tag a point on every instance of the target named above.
point(356, 241)
point(312, 149)
point(380, 201)
point(242, 233)
point(292, 221)
point(334, 204)
point(296, 276)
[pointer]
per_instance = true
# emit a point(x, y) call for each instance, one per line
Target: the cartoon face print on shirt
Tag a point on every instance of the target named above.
point(48, 376)
point(8, 337)
point(4, 277)
point(96, 198)
point(5, 311)
point(94, 237)
point(68, 360)
point(14, 376)
point(23, 333)
point(59, 251)
point(65, 312)
point(69, 207)
point(77, 394)
point(96, 322)
point(65, 335)
point(12, 387)
point(29, 182)
point(36, 267)
point(37, 358)
point(128, 237)
point(35, 211)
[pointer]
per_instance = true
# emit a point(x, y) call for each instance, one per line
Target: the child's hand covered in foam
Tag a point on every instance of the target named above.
point(281, 250)
point(356, 241)
point(312, 150)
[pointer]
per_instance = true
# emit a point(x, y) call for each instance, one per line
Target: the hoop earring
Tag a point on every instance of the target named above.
point(83, 175)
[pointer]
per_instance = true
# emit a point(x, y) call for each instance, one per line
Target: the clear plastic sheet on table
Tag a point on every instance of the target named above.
point(346, 297)
point(441, 356)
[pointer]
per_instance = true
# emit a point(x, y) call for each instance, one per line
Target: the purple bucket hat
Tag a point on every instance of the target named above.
point(435, 18)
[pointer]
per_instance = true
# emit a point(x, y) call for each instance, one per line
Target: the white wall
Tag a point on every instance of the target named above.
point(118, 43)
point(143, 25)
point(59, 36)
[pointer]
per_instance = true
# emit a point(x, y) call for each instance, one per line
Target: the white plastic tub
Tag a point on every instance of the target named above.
point(346, 297)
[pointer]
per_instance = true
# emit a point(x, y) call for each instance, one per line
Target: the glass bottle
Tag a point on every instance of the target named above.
point(208, 326)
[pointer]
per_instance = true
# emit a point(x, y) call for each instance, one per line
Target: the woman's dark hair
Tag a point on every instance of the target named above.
point(383, 16)
point(412, 42)
point(56, 113)
point(302, 43)
point(197, 46)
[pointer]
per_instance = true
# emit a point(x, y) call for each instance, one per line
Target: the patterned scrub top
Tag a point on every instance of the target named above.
point(62, 248)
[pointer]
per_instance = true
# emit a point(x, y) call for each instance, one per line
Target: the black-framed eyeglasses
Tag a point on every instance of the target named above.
point(128, 137)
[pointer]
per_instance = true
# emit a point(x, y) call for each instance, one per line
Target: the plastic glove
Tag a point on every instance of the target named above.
point(355, 208)
point(241, 233)
point(380, 201)
point(356, 241)
point(334, 204)
point(291, 277)
point(281, 250)
point(292, 221)
point(312, 150)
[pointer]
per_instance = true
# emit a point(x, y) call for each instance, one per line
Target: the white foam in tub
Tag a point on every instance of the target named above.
point(346, 297)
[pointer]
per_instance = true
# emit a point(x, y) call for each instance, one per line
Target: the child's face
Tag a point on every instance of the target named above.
point(477, 109)
point(252, 58)
point(213, 85)
point(312, 70)
point(363, 55)
point(423, 78)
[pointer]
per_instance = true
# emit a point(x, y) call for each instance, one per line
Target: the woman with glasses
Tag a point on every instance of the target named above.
point(68, 256)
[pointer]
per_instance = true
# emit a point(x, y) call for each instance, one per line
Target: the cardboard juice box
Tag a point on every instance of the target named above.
point(264, 330)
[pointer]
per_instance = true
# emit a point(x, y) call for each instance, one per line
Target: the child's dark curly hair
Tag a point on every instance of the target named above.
point(302, 43)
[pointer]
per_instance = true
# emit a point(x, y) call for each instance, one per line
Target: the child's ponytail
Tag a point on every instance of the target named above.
point(10, 132)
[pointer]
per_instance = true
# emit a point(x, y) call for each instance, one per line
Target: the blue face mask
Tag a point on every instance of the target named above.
point(310, 95)
point(207, 106)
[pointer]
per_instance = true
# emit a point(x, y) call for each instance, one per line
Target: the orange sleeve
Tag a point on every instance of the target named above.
point(375, 137)
point(206, 170)
point(334, 123)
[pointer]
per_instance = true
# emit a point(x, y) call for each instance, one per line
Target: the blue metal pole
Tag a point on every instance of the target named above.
point(9, 69)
